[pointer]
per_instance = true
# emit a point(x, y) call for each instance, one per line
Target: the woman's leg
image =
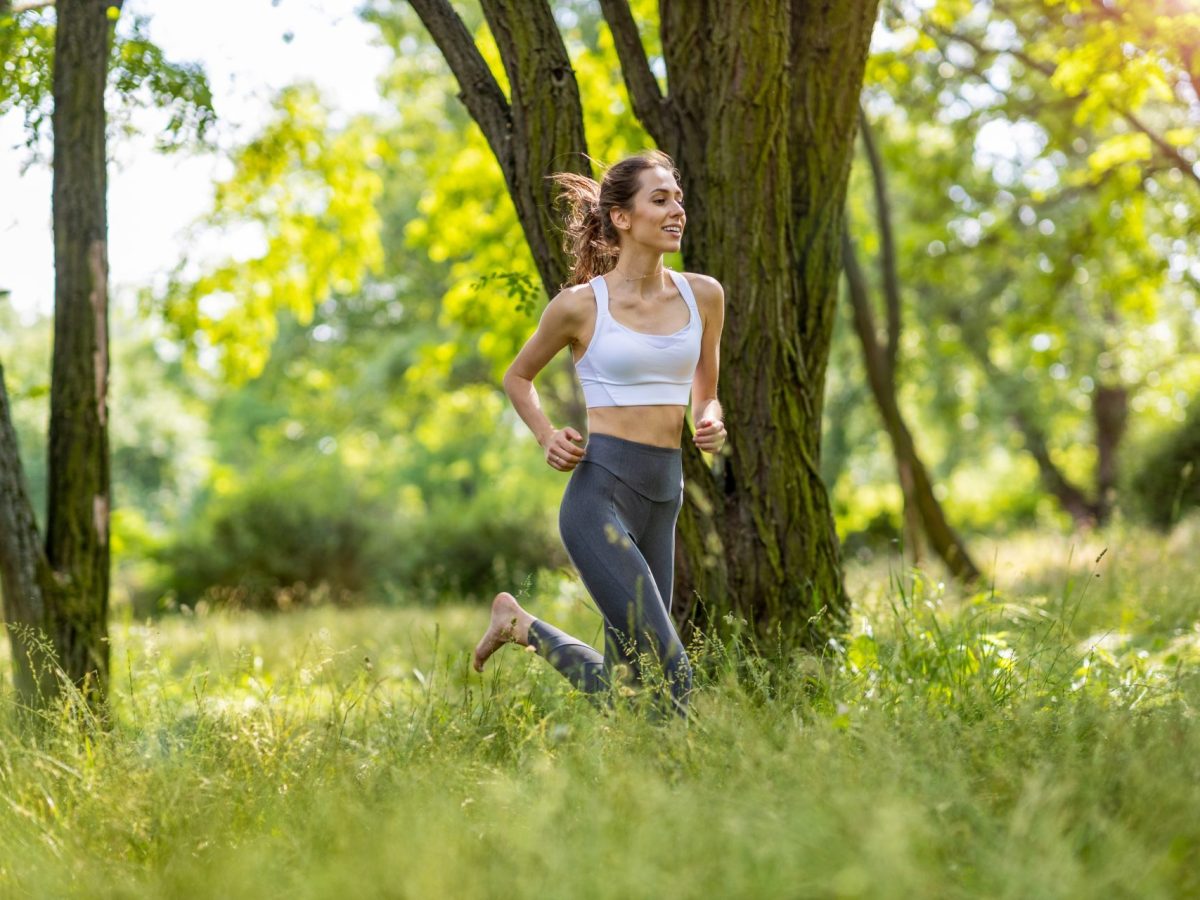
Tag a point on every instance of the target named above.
point(600, 521)
point(657, 544)
point(622, 544)
point(577, 661)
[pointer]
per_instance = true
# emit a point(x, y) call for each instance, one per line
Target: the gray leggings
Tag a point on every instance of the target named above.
point(617, 521)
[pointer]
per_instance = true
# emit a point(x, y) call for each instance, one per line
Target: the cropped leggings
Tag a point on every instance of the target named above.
point(617, 521)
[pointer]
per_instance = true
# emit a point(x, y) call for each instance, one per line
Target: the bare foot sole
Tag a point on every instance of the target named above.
point(501, 630)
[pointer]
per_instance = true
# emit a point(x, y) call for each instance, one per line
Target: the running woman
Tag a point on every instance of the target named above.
point(643, 337)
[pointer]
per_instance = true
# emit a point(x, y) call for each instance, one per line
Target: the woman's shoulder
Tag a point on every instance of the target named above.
point(575, 303)
point(707, 289)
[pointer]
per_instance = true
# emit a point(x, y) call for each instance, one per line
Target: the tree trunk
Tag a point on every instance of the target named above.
point(1110, 408)
point(914, 477)
point(766, 121)
point(922, 510)
point(77, 540)
point(25, 580)
point(57, 597)
point(889, 275)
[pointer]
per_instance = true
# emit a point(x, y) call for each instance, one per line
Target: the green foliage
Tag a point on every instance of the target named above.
point(278, 541)
point(139, 74)
point(1032, 229)
point(430, 498)
point(143, 77)
point(26, 70)
point(304, 197)
point(443, 517)
point(1166, 483)
point(157, 432)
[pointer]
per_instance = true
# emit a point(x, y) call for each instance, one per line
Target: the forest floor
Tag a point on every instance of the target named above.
point(1037, 738)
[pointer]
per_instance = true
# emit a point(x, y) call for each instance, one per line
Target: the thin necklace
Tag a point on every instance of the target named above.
point(657, 271)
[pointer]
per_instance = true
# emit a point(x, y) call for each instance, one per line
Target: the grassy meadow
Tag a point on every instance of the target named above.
point(1035, 739)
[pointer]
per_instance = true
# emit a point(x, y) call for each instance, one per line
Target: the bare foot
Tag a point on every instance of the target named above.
point(509, 624)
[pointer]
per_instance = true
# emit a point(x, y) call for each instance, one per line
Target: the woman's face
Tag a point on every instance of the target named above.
point(657, 219)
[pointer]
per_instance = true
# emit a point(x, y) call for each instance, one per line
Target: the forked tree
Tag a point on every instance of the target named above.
point(760, 116)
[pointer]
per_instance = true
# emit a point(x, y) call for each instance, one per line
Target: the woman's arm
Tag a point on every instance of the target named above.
point(557, 329)
point(706, 409)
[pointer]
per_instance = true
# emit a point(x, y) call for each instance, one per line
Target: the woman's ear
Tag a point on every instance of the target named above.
point(620, 218)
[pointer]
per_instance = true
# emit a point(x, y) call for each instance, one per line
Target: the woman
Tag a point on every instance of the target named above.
point(641, 337)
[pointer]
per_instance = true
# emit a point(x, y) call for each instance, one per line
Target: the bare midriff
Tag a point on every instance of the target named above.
point(661, 426)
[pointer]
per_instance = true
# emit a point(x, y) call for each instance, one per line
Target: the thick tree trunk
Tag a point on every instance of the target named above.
point(77, 539)
point(766, 120)
point(914, 477)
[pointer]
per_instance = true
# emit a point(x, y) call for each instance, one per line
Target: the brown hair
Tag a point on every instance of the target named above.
point(589, 237)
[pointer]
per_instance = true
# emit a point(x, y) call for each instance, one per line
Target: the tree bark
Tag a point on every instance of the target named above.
point(25, 581)
point(77, 524)
point(767, 117)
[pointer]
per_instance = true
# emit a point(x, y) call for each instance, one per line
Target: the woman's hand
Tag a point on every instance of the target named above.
point(710, 435)
point(561, 454)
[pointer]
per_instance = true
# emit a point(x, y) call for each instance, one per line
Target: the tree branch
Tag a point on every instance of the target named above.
point(478, 88)
point(654, 110)
point(887, 258)
point(921, 507)
point(546, 124)
point(1056, 483)
point(1048, 69)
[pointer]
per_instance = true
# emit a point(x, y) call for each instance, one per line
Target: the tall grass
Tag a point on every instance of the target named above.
point(1035, 739)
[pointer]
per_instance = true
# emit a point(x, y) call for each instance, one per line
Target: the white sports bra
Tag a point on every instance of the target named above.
point(623, 367)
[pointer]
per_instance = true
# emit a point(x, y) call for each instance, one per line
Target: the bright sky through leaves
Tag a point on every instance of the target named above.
point(250, 49)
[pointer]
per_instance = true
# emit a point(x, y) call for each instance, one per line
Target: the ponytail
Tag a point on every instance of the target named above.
point(589, 237)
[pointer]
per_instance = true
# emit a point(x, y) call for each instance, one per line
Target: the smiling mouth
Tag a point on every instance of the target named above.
point(674, 229)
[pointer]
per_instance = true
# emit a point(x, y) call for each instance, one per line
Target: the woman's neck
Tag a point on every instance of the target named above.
point(640, 272)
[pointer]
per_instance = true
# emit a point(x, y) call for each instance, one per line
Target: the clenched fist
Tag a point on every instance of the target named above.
point(561, 453)
point(710, 435)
